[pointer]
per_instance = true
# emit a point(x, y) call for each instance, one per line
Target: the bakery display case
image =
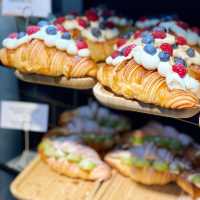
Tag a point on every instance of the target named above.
point(122, 85)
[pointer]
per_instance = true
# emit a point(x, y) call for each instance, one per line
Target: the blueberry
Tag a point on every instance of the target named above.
point(66, 36)
point(51, 30)
point(42, 23)
point(159, 29)
point(20, 35)
point(128, 35)
point(150, 49)
point(147, 39)
point(145, 33)
point(96, 32)
point(190, 52)
point(178, 60)
point(174, 46)
point(164, 56)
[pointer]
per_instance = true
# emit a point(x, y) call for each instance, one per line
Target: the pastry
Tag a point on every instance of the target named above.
point(48, 50)
point(69, 158)
point(189, 181)
point(97, 126)
point(99, 34)
point(147, 164)
point(153, 69)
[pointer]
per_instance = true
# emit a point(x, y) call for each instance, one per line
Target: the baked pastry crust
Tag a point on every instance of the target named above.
point(132, 81)
point(36, 57)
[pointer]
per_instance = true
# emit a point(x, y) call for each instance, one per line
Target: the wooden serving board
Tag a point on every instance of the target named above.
point(111, 100)
point(39, 182)
point(75, 83)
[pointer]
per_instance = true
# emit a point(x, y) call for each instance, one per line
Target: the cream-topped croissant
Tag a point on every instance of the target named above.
point(154, 69)
point(48, 50)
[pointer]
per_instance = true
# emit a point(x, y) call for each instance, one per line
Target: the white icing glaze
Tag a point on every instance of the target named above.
point(174, 81)
point(50, 40)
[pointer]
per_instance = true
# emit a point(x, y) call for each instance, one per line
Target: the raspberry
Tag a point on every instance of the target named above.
point(181, 40)
point(110, 25)
point(59, 20)
point(60, 28)
point(182, 24)
point(137, 34)
point(167, 48)
point(159, 34)
point(91, 15)
point(180, 69)
point(120, 42)
point(128, 49)
point(82, 23)
point(81, 44)
point(32, 29)
point(115, 54)
point(12, 35)
point(143, 18)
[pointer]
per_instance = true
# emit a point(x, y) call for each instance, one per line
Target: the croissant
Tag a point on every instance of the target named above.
point(36, 57)
point(132, 81)
point(69, 158)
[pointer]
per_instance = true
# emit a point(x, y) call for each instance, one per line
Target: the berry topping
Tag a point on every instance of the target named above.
point(190, 52)
point(126, 51)
point(32, 29)
point(181, 40)
point(83, 23)
point(148, 38)
point(150, 49)
point(20, 35)
point(143, 18)
point(12, 35)
point(164, 56)
point(120, 42)
point(96, 32)
point(137, 34)
point(51, 30)
point(182, 24)
point(60, 28)
point(59, 20)
point(42, 23)
point(81, 44)
point(167, 48)
point(110, 25)
point(159, 34)
point(115, 54)
point(66, 36)
point(180, 69)
point(91, 15)
point(178, 60)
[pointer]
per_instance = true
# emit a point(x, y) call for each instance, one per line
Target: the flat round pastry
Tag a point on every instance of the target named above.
point(68, 157)
point(75, 83)
point(51, 51)
point(111, 100)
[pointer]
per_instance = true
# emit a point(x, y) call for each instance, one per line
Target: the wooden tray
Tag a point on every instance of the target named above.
point(109, 99)
point(39, 182)
point(75, 83)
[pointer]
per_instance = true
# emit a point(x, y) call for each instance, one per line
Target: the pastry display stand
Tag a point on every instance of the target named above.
point(74, 83)
point(109, 99)
point(39, 182)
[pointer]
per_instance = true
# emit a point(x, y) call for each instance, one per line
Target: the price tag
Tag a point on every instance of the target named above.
point(24, 116)
point(26, 8)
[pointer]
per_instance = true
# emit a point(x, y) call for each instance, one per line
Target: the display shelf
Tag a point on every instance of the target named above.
point(39, 182)
point(109, 99)
point(74, 83)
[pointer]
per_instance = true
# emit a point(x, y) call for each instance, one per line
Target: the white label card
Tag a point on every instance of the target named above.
point(24, 116)
point(26, 8)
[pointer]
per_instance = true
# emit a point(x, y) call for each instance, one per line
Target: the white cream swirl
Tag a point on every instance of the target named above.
point(56, 40)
